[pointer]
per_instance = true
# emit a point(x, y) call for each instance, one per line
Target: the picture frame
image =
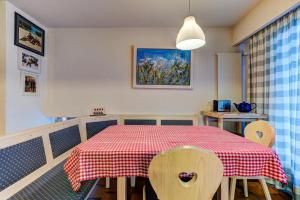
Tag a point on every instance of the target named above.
point(162, 68)
point(29, 84)
point(28, 35)
point(28, 61)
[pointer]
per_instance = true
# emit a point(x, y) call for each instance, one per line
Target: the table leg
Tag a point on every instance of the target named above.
point(132, 181)
point(107, 182)
point(220, 123)
point(121, 188)
point(225, 188)
point(206, 120)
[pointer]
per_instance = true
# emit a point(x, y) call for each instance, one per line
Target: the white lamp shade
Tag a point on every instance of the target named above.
point(190, 35)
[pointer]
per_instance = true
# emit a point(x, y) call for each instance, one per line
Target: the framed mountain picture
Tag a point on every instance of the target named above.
point(162, 68)
point(29, 36)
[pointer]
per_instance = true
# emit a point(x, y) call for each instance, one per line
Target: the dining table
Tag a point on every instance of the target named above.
point(122, 151)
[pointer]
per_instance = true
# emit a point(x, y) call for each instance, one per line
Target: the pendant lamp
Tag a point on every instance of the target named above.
point(190, 35)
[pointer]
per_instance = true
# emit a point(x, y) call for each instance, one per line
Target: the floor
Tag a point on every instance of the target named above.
point(255, 191)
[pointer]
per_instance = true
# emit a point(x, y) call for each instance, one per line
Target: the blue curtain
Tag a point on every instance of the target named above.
point(274, 79)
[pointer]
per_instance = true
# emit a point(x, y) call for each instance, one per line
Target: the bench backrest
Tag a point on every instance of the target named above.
point(183, 120)
point(92, 128)
point(20, 160)
point(63, 140)
point(177, 122)
point(139, 122)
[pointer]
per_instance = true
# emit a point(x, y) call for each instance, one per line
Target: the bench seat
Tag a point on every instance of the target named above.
point(53, 185)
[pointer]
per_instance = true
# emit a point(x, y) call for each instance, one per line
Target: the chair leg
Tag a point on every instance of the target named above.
point(232, 188)
point(132, 181)
point(265, 188)
point(107, 183)
point(144, 192)
point(245, 187)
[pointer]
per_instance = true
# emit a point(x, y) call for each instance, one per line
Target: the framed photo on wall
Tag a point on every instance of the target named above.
point(29, 36)
point(162, 68)
point(29, 84)
point(28, 61)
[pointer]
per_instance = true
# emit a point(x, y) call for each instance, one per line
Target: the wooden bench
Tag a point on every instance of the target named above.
point(32, 162)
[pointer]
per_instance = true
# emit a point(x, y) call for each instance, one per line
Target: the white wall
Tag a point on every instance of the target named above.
point(230, 77)
point(21, 112)
point(260, 16)
point(92, 67)
point(2, 67)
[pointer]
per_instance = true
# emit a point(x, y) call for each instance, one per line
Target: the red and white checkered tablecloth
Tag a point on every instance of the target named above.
point(127, 151)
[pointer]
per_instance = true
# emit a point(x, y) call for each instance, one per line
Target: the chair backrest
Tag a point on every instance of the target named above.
point(260, 132)
point(167, 169)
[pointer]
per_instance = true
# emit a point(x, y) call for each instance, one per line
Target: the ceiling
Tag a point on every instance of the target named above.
point(134, 13)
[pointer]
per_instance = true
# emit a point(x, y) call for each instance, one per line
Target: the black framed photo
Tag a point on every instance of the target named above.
point(29, 36)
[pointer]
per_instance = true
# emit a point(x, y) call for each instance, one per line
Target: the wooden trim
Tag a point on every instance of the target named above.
point(260, 17)
point(82, 129)
point(2, 65)
point(48, 148)
point(35, 132)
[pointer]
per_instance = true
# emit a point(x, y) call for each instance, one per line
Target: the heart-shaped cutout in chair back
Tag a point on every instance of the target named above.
point(259, 134)
point(187, 177)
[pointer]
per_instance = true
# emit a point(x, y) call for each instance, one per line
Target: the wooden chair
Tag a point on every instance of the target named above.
point(167, 168)
point(263, 133)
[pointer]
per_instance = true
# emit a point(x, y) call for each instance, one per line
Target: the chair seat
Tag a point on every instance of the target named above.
point(53, 185)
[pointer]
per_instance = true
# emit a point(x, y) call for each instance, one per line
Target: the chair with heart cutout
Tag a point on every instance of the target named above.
point(262, 133)
point(185, 173)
